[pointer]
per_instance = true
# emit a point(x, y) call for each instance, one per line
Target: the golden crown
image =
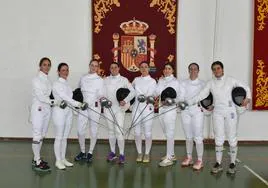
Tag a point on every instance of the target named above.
point(134, 27)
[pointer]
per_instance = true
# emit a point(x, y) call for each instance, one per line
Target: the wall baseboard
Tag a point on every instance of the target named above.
point(105, 141)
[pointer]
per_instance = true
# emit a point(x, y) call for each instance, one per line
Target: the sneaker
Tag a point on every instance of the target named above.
point(80, 156)
point(111, 157)
point(139, 158)
point(67, 163)
point(198, 165)
point(232, 169)
point(216, 168)
point(121, 159)
point(146, 158)
point(166, 162)
point(89, 158)
point(173, 158)
point(60, 165)
point(34, 162)
point(187, 162)
point(42, 167)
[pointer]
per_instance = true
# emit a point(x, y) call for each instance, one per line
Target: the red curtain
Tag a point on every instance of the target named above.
point(260, 61)
point(131, 31)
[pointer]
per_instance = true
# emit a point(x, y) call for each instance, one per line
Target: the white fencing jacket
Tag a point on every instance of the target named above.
point(190, 88)
point(92, 88)
point(41, 90)
point(62, 91)
point(112, 84)
point(144, 85)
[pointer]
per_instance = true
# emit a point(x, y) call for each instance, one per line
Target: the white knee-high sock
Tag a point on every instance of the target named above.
point(148, 144)
point(93, 141)
point(189, 147)
point(170, 147)
point(199, 150)
point(138, 142)
point(36, 151)
point(219, 150)
point(121, 145)
point(63, 148)
point(112, 142)
point(233, 153)
point(57, 149)
point(82, 144)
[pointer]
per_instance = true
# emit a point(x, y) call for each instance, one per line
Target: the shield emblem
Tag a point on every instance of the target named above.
point(133, 51)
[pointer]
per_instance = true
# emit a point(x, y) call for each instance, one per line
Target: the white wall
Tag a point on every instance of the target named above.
point(60, 29)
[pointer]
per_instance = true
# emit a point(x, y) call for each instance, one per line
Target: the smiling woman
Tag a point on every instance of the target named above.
point(62, 116)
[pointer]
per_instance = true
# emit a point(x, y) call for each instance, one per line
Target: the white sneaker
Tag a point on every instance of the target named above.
point(173, 158)
point(60, 165)
point(67, 163)
point(139, 158)
point(166, 162)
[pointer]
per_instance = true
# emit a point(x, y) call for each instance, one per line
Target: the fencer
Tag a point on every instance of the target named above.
point(145, 86)
point(92, 88)
point(62, 115)
point(116, 112)
point(41, 111)
point(192, 118)
point(168, 85)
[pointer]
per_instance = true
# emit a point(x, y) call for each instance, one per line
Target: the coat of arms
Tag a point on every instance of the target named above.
point(134, 46)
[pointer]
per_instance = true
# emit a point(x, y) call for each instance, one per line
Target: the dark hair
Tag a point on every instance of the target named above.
point(170, 64)
point(115, 63)
point(61, 65)
point(93, 61)
point(193, 64)
point(44, 59)
point(144, 62)
point(216, 63)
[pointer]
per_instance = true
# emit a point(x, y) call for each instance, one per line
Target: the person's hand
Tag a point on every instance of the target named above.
point(210, 108)
point(122, 103)
point(245, 102)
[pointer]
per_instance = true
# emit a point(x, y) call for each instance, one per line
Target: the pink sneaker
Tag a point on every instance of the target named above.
point(198, 165)
point(187, 162)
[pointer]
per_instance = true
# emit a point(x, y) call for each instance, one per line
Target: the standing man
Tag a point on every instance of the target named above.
point(192, 118)
point(116, 113)
point(92, 89)
point(224, 113)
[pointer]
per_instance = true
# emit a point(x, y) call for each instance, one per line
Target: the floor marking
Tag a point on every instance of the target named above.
point(254, 173)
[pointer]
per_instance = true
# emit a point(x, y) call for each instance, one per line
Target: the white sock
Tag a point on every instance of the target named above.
point(219, 150)
point(189, 147)
point(199, 151)
point(112, 142)
point(233, 153)
point(170, 147)
point(81, 139)
point(121, 145)
point(36, 151)
point(57, 149)
point(41, 143)
point(148, 144)
point(63, 148)
point(138, 142)
point(93, 141)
